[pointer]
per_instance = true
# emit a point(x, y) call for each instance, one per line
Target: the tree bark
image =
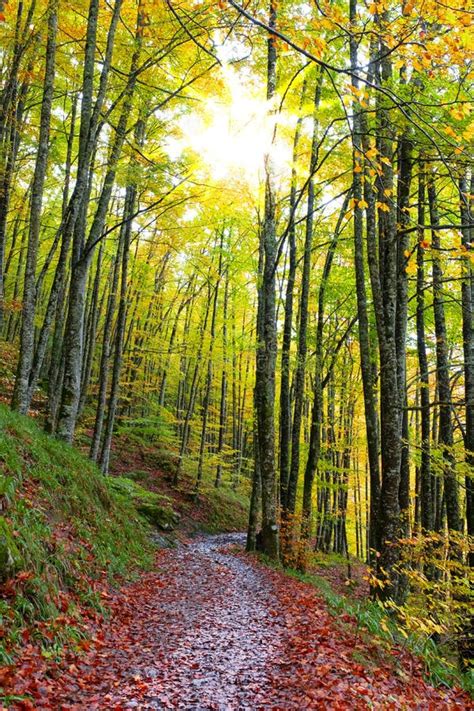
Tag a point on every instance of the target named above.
point(426, 496)
point(285, 398)
point(446, 438)
point(82, 254)
point(267, 346)
point(223, 402)
point(20, 399)
point(366, 357)
point(303, 313)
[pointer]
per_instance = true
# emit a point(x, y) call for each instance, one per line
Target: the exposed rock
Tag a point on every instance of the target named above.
point(156, 508)
point(162, 517)
point(10, 558)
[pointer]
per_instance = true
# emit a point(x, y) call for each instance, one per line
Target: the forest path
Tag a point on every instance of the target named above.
point(213, 629)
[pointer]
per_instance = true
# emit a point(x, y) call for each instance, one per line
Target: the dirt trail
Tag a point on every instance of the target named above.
point(213, 629)
point(203, 638)
point(208, 631)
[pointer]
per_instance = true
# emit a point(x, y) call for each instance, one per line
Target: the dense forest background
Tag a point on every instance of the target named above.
point(246, 233)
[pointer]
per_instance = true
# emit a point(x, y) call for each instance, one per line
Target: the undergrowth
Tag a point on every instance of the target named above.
point(372, 617)
point(64, 534)
point(226, 510)
point(153, 465)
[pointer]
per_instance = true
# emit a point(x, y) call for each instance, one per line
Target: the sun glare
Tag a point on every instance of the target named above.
point(232, 133)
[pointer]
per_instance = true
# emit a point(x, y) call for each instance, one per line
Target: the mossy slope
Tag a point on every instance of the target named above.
point(64, 533)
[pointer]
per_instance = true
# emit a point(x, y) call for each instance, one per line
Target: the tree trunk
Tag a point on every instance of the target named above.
point(446, 438)
point(82, 254)
point(207, 392)
point(20, 400)
point(285, 399)
point(105, 356)
point(426, 502)
point(267, 345)
point(303, 314)
point(129, 207)
point(223, 403)
point(466, 644)
point(366, 358)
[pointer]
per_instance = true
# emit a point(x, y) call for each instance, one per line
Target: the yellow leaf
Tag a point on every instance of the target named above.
point(362, 204)
point(469, 132)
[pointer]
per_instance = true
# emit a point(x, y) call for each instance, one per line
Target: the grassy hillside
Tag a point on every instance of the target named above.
point(65, 532)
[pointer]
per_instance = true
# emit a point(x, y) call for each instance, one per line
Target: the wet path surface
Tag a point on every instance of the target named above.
point(204, 640)
point(212, 629)
point(228, 640)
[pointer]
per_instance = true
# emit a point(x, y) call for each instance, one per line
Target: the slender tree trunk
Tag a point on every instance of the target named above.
point(223, 403)
point(82, 255)
point(93, 319)
point(446, 438)
point(367, 371)
point(208, 390)
point(256, 497)
point(8, 326)
point(303, 315)
point(384, 281)
point(188, 298)
point(12, 104)
point(20, 400)
point(129, 207)
point(105, 356)
point(466, 644)
point(467, 291)
point(426, 500)
point(403, 203)
point(285, 399)
point(192, 396)
point(267, 346)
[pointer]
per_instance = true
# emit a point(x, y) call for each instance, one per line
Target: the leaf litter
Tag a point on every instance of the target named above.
point(213, 628)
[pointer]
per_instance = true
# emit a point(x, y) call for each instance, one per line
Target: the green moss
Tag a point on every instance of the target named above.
point(224, 510)
point(160, 516)
point(155, 508)
point(139, 475)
